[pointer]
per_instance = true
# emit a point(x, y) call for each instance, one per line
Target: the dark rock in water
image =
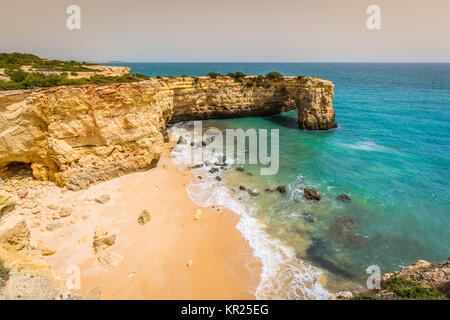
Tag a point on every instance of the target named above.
point(192, 143)
point(344, 198)
point(309, 216)
point(203, 144)
point(224, 159)
point(311, 194)
point(281, 189)
point(253, 193)
point(218, 178)
point(249, 174)
point(346, 222)
point(207, 163)
point(196, 166)
point(200, 177)
point(240, 169)
point(269, 190)
point(242, 188)
point(213, 170)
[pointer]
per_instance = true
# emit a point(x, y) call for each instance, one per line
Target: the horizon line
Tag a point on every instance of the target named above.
point(371, 62)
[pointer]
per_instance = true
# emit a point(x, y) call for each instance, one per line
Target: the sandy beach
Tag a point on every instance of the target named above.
point(174, 256)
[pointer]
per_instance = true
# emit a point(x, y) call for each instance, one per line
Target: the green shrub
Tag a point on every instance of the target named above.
point(15, 60)
point(29, 80)
point(275, 76)
point(4, 272)
point(196, 81)
point(213, 75)
point(237, 76)
point(249, 83)
point(142, 76)
point(158, 77)
point(412, 290)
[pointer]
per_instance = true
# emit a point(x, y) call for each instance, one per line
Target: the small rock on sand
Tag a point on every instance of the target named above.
point(189, 263)
point(144, 217)
point(103, 198)
point(22, 193)
point(47, 251)
point(103, 243)
point(112, 259)
point(197, 215)
point(65, 212)
point(100, 232)
point(52, 206)
point(54, 225)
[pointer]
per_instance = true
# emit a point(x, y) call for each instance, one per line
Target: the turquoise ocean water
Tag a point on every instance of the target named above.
point(390, 154)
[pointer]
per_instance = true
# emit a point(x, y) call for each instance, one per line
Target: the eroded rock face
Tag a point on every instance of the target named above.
point(79, 135)
point(225, 98)
point(427, 274)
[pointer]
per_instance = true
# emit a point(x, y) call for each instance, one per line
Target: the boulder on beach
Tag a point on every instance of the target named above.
point(104, 242)
point(65, 212)
point(144, 217)
point(213, 170)
point(103, 198)
point(311, 194)
point(7, 202)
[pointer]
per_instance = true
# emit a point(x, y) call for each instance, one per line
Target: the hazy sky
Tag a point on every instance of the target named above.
point(229, 30)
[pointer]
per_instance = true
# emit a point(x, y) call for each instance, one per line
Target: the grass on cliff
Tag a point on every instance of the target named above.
point(405, 289)
point(412, 290)
point(17, 60)
point(29, 80)
point(4, 272)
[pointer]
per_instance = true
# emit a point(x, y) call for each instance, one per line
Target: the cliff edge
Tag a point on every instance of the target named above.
point(78, 135)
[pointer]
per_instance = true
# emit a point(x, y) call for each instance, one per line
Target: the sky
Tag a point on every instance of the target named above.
point(229, 30)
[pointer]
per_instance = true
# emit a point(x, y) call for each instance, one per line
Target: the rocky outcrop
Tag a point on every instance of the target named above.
point(79, 135)
point(426, 274)
point(206, 98)
point(75, 136)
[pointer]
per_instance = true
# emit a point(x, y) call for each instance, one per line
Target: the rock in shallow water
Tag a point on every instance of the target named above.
point(281, 189)
point(344, 198)
point(311, 194)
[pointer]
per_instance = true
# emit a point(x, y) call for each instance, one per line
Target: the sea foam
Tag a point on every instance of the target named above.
point(283, 276)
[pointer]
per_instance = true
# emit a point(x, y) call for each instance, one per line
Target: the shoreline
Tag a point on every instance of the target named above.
point(174, 256)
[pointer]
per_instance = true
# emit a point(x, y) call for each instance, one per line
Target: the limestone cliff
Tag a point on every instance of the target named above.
point(225, 98)
point(78, 135)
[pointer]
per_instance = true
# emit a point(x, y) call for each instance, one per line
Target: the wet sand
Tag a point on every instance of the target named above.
point(174, 256)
